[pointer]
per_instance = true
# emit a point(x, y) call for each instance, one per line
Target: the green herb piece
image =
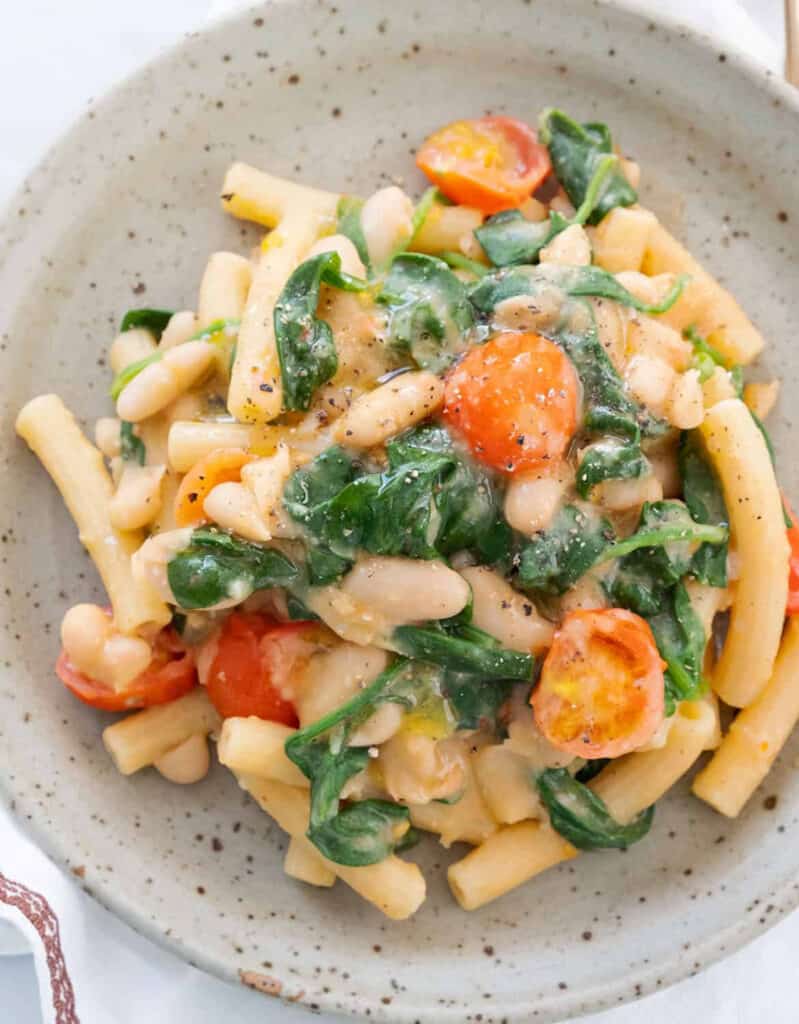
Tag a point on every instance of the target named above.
point(305, 346)
point(366, 831)
point(610, 460)
point(131, 447)
point(706, 357)
point(705, 501)
point(218, 567)
point(508, 238)
point(126, 375)
point(152, 320)
point(348, 214)
point(429, 311)
point(576, 150)
point(458, 261)
point(553, 561)
point(422, 211)
point(582, 818)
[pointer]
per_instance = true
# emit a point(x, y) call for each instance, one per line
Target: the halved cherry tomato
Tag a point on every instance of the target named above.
point(169, 675)
point(221, 466)
point(601, 692)
point(792, 606)
point(254, 658)
point(515, 401)
point(493, 163)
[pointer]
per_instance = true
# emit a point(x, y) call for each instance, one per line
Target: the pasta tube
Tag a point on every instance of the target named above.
point(253, 746)
point(739, 454)
point(704, 302)
point(395, 886)
point(142, 738)
point(298, 216)
point(756, 736)
point(79, 473)
point(305, 864)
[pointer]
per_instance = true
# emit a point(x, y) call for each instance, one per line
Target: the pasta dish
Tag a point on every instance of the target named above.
point(452, 516)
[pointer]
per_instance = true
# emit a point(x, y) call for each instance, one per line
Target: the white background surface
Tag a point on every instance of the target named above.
point(56, 56)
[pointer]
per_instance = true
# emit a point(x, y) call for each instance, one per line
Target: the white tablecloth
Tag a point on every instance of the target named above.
point(55, 57)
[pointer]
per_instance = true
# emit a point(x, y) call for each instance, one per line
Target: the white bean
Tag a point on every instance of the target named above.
point(99, 651)
point(686, 406)
point(506, 614)
point(650, 381)
point(533, 499)
point(528, 313)
point(233, 507)
point(266, 478)
point(570, 247)
point(137, 499)
point(332, 677)
point(717, 388)
point(406, 590)
point(390, 409)
point(653, 338)
point(124, 658)
point(646, 289)
point(379, 727)
point(417, 769)
point(387, 223)
point(180, 328)
point(620, 495)
point(187, 763)
point(351, 262)
point(159, 384)
point(106, 436)
point(611, 325)
point(149, 563)
point(667, 470)
point(129, 347)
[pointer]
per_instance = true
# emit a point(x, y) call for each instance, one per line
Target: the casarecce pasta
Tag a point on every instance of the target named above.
point(426, 516)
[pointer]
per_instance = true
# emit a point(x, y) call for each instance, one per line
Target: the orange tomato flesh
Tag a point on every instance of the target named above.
point(223, 465)
point(601, 692)
point(492, 163)
point(515, 402)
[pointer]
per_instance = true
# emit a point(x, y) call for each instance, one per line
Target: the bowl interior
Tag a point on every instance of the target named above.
point(124, 213)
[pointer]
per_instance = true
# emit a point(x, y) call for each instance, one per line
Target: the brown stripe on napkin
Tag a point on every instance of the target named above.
point(40, 914)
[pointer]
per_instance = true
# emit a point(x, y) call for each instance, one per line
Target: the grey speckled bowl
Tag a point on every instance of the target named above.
point(123, 212)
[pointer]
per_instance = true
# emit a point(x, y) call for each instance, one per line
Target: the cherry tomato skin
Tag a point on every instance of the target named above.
point(515, 402)
point(242, 678)
point(601, 692)
point(792, 606)
point(492, 163)
point(222, 465)
point(171, 674)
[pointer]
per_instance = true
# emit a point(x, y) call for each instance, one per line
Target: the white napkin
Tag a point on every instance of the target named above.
point(93, 969)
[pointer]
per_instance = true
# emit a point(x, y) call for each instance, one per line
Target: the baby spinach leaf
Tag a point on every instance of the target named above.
point(553, 561)
point(508, 237)
point(348, 214)
point(463, 648)
point(582, 818)
point(217, 566)
point(576, 150)
point(152, 320)
point(680, 638)
point(305, 346)
point(705, 501)
point(458, 261)
point(429, 311)
point(476, 702)
point(131, 446)
point(610, 460)
point(366, 831)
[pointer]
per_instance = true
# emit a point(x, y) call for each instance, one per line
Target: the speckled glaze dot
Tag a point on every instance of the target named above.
point(124, 211)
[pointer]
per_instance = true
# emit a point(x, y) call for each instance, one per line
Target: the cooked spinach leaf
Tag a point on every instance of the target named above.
point(428, 502)
point(463, 648)
point(610, 460)
point(556, 558)
point(706, 357)
point(591, 769)
point(458, 261)
point(582, 818)
point(475, 702)
point(305, 346)
point(576, 150)
point(705, 501)
point(131, 446)
point(429, 311)
point(681, 640)
point(509, 238)
point(348, 214)
point(366, 831)
point(218, 567)
point(152, 320)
